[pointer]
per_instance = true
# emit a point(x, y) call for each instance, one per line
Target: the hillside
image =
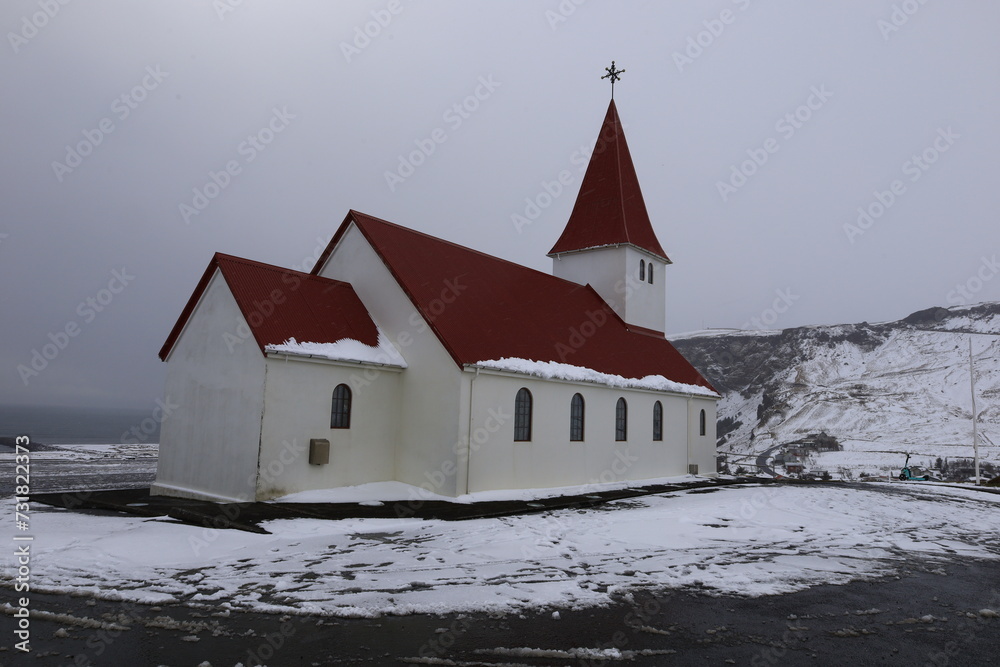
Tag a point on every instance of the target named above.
point(880, 389)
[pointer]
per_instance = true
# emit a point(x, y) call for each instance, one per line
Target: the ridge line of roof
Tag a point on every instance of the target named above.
point(273, 267)
point(619, 138)
point(216, 263)
point(465, 248)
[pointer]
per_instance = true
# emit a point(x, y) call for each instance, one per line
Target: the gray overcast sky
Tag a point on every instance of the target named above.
point(708, 87)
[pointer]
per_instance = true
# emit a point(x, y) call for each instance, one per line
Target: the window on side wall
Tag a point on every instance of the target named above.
point(621, 420)
point(576, 418)
point(340, 413)
point(522, 415)
point(657, 421)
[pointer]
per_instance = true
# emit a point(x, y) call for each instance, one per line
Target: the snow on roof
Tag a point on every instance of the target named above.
point(484, 307)
point(279, 304)
point(551, 370)
point(345, 349)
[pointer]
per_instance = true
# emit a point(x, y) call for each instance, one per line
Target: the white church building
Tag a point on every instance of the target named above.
point(406, 357)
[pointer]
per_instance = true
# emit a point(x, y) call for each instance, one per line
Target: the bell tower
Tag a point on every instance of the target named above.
point(609, 241)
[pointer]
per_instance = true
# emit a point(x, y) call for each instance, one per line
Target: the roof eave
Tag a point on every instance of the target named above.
point(189, 308)
point(663, 258)
point(317, 358)
point(489, 370)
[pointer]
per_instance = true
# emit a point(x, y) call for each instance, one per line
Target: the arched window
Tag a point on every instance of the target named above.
point(340, 413)
point(621, 420)
point(701, 424)
point(650, 273)
point(576, 418)
point(522, 415)
point(642, 270)
point(657, 421)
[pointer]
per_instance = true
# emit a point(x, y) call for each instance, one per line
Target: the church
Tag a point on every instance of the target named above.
point(406, 357)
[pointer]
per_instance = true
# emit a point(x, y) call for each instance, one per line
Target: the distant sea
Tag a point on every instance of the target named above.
point(77, 426)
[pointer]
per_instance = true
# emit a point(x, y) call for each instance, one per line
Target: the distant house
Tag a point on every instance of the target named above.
point(793, 464)
point(406, 357)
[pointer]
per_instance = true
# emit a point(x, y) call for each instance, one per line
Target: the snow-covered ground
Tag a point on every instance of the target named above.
point(749, 540)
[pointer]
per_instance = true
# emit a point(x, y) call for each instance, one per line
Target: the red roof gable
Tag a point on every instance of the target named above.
point(484, 308)
point(279, 304)
point(609, 209)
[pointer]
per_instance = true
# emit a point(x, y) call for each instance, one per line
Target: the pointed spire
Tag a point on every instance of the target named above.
point(609, 209)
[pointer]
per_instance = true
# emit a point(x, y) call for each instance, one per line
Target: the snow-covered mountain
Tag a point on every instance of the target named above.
point(881, 389)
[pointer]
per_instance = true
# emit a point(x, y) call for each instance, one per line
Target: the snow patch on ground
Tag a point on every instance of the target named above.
point(553, 370)
point(747, 540)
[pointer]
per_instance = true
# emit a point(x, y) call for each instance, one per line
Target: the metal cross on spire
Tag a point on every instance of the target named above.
point(612, 74)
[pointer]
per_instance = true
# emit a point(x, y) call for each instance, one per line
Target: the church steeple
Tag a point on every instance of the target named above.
point(609, 209)
point(609, 242)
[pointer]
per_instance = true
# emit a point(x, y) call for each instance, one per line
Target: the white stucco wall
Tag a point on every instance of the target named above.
point(701, 448)
point(551, 459)
point(208, 446)
point(298, 394)
point(646, 305)
point(614, 273)
point(430, 422)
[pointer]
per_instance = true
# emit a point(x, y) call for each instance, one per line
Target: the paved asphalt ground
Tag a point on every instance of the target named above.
point(925, 616)
point(919, 618)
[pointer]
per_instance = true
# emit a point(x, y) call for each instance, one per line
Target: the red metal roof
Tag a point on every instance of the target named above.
point(609, 209)
point(279, 304)
point(483, 308)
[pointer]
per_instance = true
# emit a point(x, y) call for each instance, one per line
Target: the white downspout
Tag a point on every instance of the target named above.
point(468, 440)
point(688, 435)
